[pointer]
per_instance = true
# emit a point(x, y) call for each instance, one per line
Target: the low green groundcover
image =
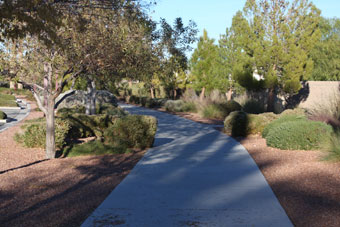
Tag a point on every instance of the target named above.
point(94, 147)
point(298, 135)
point(7, 100)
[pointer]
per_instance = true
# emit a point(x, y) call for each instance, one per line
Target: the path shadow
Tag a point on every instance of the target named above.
point(162, 141)
point(10, 120)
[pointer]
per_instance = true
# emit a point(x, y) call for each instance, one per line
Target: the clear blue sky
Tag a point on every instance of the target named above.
point(216, 15)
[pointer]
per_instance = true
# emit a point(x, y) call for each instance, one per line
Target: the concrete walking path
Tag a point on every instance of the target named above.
point(193, 176)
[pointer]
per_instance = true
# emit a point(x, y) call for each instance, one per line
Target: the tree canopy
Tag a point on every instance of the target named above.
point(326, 54)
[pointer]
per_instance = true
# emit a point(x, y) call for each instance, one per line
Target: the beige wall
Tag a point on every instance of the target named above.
point(321, 93)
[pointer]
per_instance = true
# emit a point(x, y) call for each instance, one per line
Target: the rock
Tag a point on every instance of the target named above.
point(77, 98)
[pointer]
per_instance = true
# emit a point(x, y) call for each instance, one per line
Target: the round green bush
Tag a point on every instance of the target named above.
point(111, 110)
point(174, 105)
point(236, 123)
point(296, 112)
point(3, 115)
point(239, 123)
point(253, 107)
point(219, 110)
point(281, 119)
point(298, 135)
point(132, 131)
point(35, 134)
point(257, 122)
point(67, 111)
point(231, 106)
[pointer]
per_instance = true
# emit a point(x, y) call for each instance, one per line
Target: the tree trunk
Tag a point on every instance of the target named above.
point(202, 94)
point(175, 93)
point(229, 94)
point(90, 98)
point(152, 93)
point(271, 100)
point(50, 127)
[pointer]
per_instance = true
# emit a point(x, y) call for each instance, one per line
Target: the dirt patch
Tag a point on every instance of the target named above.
point(61, 192)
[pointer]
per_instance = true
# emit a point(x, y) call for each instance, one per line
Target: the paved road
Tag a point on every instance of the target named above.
point(14, 116)
point(194, 176)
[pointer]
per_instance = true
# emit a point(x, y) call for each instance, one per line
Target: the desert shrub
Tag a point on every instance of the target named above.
point(189, 95)
point(240, 123)
point(189, 107)
point(282, 119)
point(215, 96)
point(219, 110)
point(70, 111)
point(35, 134)
point(236, 123)
point(296, 112)
point(143, 100)
point(231, 106)
point(2, 115)
point(95, 147)
point(132, 99)
point(174, 105)
point(111, 110)
point(332, 147)
point(133, 131)
point(328, 119)
point(159, 102)
point(298, 134)
point(257, 122)
point(83, 125)
point(253, 106)
point(328, 112)
point(214, 111)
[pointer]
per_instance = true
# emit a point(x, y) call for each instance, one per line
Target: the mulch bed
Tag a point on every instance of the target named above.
point(60, 192)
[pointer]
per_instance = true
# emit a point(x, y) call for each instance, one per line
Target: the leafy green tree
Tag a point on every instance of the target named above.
point(326, 54)
point(207, 67)
point(274, 39)
point(174, 41)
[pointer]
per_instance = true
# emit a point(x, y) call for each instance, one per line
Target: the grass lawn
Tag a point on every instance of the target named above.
point(7, 100)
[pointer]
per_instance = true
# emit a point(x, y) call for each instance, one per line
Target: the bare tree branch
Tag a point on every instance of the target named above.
point(65, 82)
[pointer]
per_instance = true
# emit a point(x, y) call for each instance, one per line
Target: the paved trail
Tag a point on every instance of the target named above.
point(194, 176)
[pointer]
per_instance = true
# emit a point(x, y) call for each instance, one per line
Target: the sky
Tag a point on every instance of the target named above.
point(216, 15)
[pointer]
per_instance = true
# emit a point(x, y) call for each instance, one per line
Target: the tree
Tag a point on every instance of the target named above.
point(207, 67)
point(326, 54)
point(43, 19)
point(274, 39)
point(57, 48)
point(174, 41)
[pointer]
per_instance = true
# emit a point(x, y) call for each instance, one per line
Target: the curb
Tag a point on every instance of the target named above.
point(9, 108)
